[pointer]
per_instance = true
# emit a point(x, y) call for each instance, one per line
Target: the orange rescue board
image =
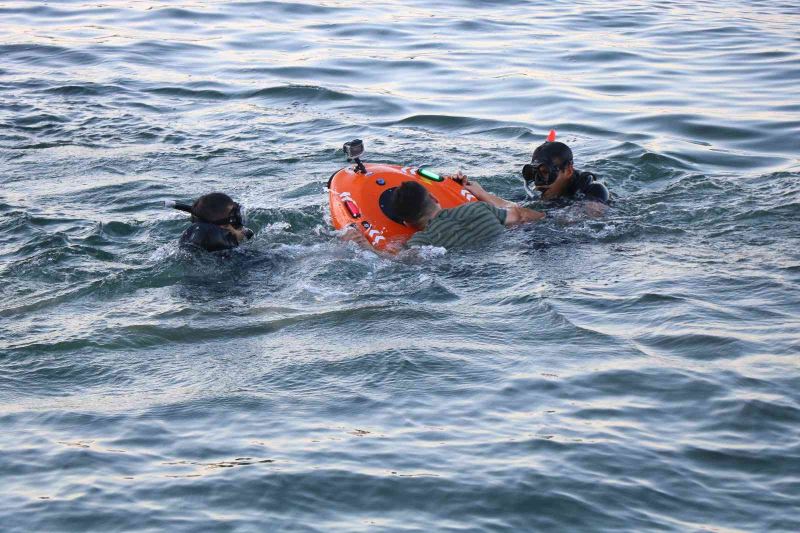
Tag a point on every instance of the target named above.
point(361, 201)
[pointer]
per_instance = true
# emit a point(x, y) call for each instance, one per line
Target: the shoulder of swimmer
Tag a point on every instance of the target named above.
point(588, 184)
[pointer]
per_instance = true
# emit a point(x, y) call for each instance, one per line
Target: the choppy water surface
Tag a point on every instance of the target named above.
point(637, 372)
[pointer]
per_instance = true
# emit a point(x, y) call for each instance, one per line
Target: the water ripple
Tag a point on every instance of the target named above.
point(635, 371)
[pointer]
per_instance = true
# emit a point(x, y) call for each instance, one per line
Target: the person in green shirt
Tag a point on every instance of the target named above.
point(468, 224)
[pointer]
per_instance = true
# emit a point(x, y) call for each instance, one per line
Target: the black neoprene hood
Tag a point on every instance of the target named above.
point(547, 152)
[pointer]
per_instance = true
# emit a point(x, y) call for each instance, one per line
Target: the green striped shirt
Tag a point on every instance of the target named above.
point(469, 223)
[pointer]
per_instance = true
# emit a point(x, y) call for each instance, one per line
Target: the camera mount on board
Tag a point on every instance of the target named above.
point(354, 150)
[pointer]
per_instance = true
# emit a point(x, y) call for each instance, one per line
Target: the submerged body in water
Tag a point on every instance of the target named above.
point(218, 223)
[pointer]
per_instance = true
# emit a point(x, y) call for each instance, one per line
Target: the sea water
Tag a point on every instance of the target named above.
point(634, 372)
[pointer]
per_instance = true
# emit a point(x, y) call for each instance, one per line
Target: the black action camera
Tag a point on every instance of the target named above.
point(354, 149)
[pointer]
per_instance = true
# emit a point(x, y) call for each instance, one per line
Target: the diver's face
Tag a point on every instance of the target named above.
point(542, 177)
point(238, 233)
point(558, 170)
point(238, 227)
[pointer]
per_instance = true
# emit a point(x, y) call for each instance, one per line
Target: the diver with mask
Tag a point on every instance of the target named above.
point(551, 172)
point(218, 223)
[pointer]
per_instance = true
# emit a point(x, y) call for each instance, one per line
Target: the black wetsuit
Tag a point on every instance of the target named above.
point(208, 237)
point(584, 185)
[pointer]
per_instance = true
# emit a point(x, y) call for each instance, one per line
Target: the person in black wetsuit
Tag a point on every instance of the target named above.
point(552, 173)
point(218, 223)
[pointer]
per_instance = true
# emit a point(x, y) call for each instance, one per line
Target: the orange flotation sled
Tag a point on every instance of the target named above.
point(360, 197)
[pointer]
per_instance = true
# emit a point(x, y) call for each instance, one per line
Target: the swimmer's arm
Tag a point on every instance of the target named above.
point(520, 215)
point(514, 214)
point(481, 194)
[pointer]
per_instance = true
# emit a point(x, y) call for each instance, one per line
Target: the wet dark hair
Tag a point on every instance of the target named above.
point(214, 206)
point(550, 151)
point(410, 201)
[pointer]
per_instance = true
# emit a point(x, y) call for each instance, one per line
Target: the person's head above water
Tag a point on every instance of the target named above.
point(218, 223)
point(216, 208)
point(551, 172)
point(550, 160)
point(414, 204)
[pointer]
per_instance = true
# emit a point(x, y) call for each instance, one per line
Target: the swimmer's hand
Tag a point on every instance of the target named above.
point(460, 178)
point(476, 189)
point(351, 234)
